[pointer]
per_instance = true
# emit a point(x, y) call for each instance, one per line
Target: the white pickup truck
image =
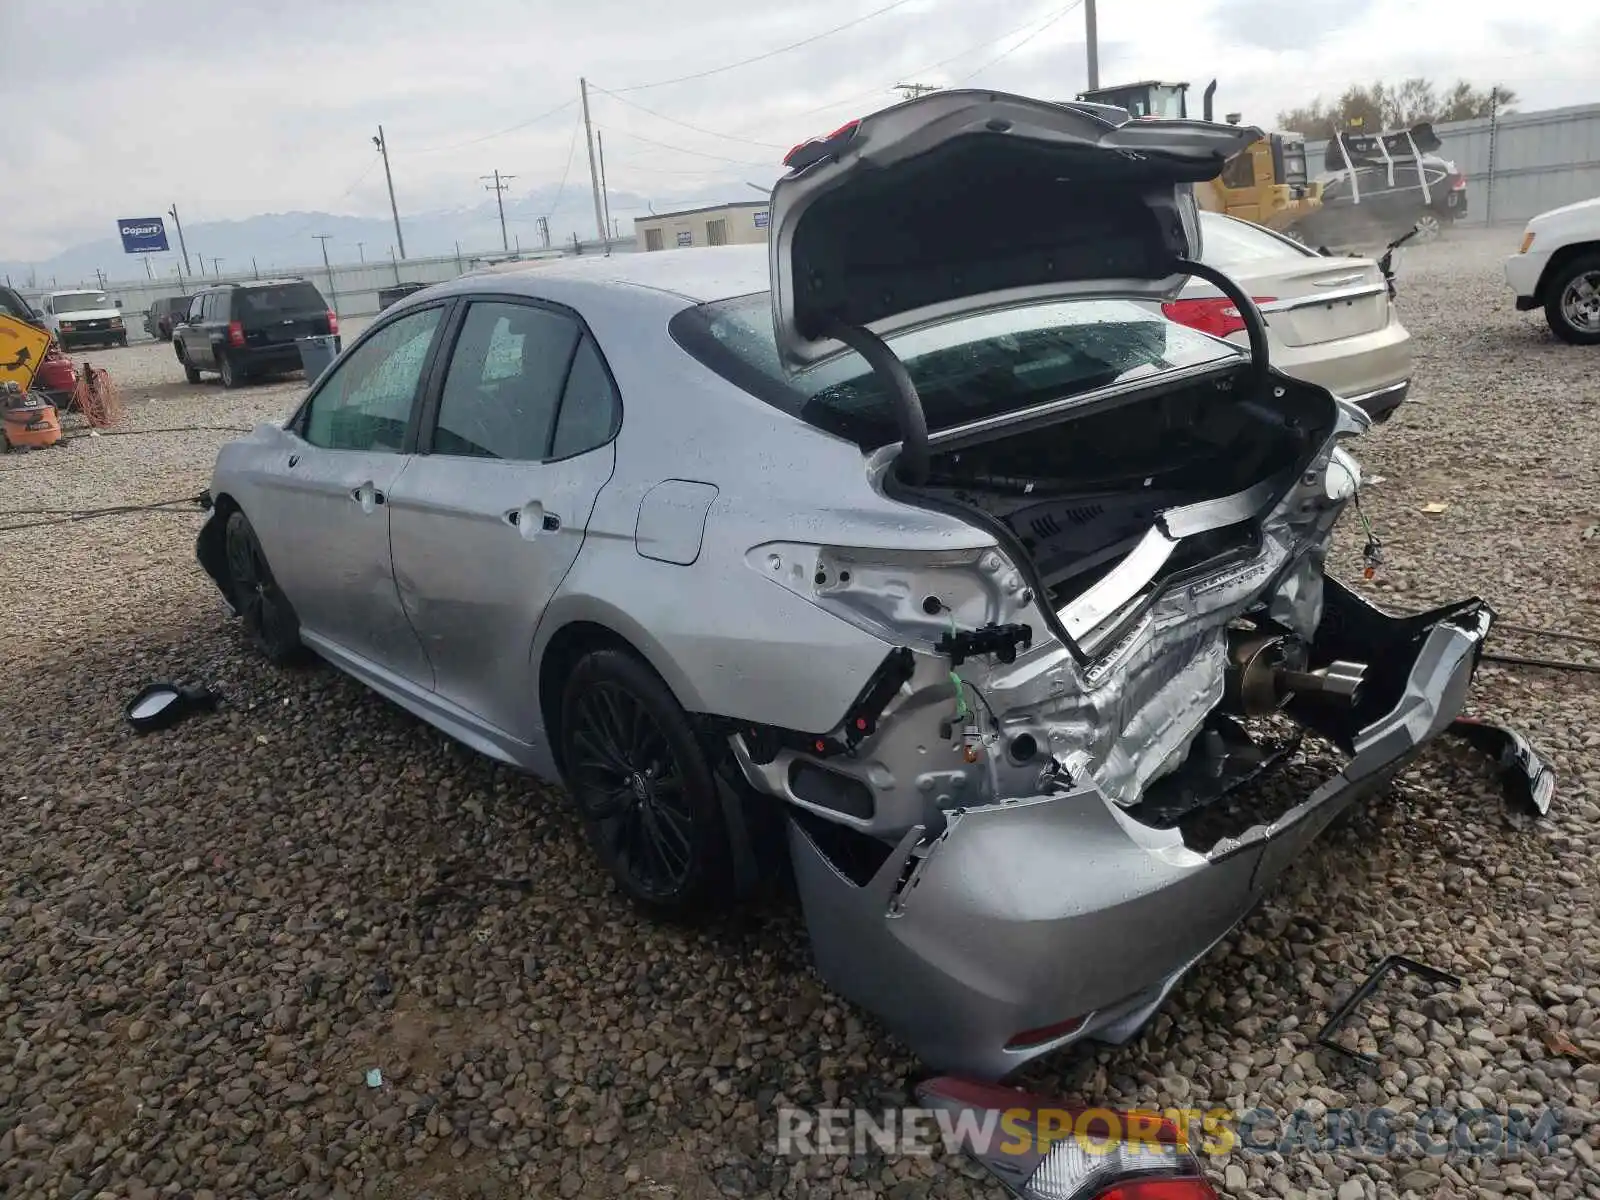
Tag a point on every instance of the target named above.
point(1557, 269)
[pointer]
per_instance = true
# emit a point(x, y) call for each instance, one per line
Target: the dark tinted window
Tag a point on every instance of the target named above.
point(965, 369)
point(504, 380)
point(277, 300)
point(365, 403)
point(588, 405)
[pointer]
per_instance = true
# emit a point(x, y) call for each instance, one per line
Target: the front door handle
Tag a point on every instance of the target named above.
point(368, 495)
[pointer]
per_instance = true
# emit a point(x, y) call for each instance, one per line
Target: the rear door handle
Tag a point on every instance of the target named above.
point(368, 495)
point(531, 520)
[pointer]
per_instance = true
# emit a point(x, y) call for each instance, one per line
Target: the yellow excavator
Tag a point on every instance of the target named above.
point(1266, 183)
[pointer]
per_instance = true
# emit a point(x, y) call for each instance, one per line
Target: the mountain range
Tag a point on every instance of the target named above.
point(282, 242)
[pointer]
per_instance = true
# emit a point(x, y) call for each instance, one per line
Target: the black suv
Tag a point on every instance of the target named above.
point(165, 313)
point(240, 330)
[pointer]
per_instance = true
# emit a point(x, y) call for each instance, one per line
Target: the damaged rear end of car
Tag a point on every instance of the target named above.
point(1057, 792)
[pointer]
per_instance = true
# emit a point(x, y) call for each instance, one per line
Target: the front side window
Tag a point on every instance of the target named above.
point(965, 369)
point(504, 382)
point(365, 402)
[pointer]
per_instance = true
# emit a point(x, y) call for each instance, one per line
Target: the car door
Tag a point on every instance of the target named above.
point(489, 518)
point(196, 343)
point(326, 525)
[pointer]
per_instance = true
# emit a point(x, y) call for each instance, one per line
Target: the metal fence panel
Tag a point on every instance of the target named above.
point(1541, 160)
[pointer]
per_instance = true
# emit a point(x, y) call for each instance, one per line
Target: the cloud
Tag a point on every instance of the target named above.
point(262, 106)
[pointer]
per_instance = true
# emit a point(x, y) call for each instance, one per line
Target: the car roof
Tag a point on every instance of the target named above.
point(697, 274)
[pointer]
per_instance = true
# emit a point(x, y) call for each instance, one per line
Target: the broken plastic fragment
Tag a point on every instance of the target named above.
point(1434, 507)
point(374, 1078)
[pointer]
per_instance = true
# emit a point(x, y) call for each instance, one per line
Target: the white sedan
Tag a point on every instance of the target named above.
point(1329, 319)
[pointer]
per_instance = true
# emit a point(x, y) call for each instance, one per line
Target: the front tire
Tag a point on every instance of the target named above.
point(269, 619)
point(1572, 301)
point(644, 786)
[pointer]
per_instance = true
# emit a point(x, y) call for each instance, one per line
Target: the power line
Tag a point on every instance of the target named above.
point(742, 162)
point(1005, 54)
point(566, 171)
point(675, 121)
point(744, 62)
point(562, 107)
point(931, 67)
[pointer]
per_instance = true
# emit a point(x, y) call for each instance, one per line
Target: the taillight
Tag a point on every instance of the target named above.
point(1159, 1189)
point(1458, 183)
point(810, 150)
point(1070, 1153)
point(1046, 1033)
point(235, 333)
point(333, 321)
point(1214, 315)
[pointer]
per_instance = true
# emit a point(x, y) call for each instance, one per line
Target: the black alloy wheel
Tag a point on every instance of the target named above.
point(643, 785)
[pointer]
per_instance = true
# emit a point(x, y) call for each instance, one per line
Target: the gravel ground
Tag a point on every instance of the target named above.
point(210, 935)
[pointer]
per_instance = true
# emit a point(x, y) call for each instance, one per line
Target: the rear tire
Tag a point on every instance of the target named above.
point(232, 376)
point(1572, 301)
point(644, 786)
point(269, 619)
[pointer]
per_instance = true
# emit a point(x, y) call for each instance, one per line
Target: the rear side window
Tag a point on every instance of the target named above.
point(965, 369)
point(589, 409)
point(289, 298)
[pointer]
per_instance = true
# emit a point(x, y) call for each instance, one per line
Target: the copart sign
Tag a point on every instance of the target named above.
point(142, 235)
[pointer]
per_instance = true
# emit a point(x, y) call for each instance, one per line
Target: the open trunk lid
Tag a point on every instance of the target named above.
point(962, 200)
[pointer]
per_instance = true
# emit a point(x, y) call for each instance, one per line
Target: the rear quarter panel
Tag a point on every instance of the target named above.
point(728, 640)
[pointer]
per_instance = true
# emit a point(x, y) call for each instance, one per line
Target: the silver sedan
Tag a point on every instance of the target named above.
point(918, 549)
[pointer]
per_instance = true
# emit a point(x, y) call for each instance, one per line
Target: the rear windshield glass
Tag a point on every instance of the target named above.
point(965, 369)
point(1232, 245)
point(287, 298)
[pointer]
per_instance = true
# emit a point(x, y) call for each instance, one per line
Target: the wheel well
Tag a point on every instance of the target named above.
point(571, 643)
point(1560, 259)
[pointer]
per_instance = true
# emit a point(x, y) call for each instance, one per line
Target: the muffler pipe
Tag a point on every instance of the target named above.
point(1339, 680)
point(1265, 673)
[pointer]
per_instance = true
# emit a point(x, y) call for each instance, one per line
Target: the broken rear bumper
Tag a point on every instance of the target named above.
point(1061, 915)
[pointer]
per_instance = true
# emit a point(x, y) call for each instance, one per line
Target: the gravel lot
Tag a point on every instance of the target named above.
point(210, 935)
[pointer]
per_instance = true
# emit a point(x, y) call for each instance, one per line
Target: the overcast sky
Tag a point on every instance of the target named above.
point(242, 107)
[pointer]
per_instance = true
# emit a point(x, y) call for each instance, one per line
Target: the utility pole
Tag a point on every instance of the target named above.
point(1091, 32)
point(605, 194)
point(594, 175)
point(544, 231)
point(216, 267)
point(361, 251)
point(333, 292)
point(254, 270)
point(100, 277)
point(383, 148)
point(498, 187)
point(912, 90)
point(174, 211)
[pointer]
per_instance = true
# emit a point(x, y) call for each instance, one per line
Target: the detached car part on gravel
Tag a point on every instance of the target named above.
point(1002, 592)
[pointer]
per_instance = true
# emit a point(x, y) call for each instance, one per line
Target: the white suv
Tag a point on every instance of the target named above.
point(1557, 268)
